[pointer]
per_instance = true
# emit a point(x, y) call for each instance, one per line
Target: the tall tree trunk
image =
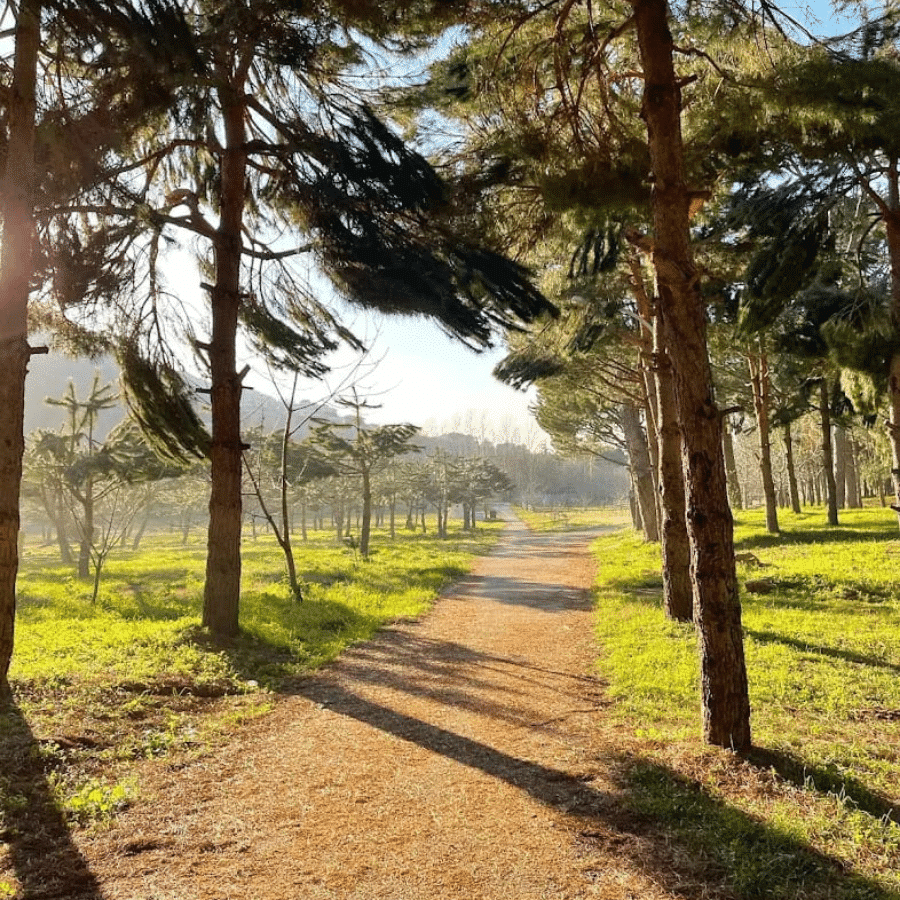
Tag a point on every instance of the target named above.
point(366, 525)
point(891, 215)
point(735, 495)
point(854, 491)
point(221, 598)
point(678, 592)
point(761, 384)
point(647, 331)
point(717, 612)
point(791, 469)
point(827, 452)
point(634, 506)
point(17, 208)
point(639, 458)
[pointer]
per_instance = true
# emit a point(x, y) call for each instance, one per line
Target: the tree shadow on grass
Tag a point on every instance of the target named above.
point(799, 772)
point(39, 844)
point(315, 624)
point(771, 637)
point(671, 828)
point(846, 534)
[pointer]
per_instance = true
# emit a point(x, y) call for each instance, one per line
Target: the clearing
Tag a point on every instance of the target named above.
point(459, 755)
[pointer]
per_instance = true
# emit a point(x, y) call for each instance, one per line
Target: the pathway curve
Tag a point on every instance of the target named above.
point(450, 757)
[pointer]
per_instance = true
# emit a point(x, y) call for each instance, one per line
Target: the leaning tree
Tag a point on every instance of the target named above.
point(601, 66)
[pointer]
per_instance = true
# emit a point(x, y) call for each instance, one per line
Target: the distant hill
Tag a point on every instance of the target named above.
point(540, 477)
point(49, 376)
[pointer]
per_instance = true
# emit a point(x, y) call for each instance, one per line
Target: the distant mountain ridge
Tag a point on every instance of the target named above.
point(50, 374)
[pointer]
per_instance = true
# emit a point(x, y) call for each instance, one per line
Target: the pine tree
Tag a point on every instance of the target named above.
point(268, 156)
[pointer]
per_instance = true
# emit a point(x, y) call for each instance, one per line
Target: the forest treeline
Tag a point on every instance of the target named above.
point(684, 219)
point(91, 490)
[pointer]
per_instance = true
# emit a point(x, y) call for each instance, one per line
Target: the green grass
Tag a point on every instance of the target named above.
point(565, 518)
point(143, 625)
point(822, 789)
point(98, 686)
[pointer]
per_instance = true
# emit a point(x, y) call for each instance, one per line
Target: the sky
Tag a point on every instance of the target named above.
point(416, 373)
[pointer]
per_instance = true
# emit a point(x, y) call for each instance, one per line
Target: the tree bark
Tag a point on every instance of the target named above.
point(221, 598)
point(17, 208)
point(639, 458)
point(854, 490)
point(891, 215)
point(717, 611)
point(761, 385)
point(366, 525)
point(840, 467)
point(791, 469)
point(827, 453)
point(735, 495)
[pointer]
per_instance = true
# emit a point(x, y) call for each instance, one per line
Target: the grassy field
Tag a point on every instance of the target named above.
point(815, 811)
point(98, 687)
point(573, 518)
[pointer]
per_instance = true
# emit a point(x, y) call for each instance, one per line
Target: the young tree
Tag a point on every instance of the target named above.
point(355, 449)
point(83, 457)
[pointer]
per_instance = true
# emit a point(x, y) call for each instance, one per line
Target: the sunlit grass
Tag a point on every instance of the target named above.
point(132, 676)
point(823, 659)
point(150, 602)
point(566, 518)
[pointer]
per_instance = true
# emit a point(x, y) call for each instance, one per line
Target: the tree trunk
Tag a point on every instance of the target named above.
point(639, 458)
point(678, 593)
point(142, 528)
point(366, 525)
point(634, 507)
point(17, 208)
point(87, 530)
point(827, 454)
point(735, 494)
point(840, 467)
point(854, 491)
point(221, 598)
point(891, 216)
point(791, 469)
point(717, 611)
point(759, 380)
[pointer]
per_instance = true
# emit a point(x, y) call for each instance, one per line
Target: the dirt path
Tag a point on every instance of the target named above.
point(452, 757)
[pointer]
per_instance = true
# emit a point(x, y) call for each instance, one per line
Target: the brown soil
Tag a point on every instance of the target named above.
point(463, 755)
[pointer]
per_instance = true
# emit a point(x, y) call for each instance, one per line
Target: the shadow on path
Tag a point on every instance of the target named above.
point(44, 857)
point(740, 856)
